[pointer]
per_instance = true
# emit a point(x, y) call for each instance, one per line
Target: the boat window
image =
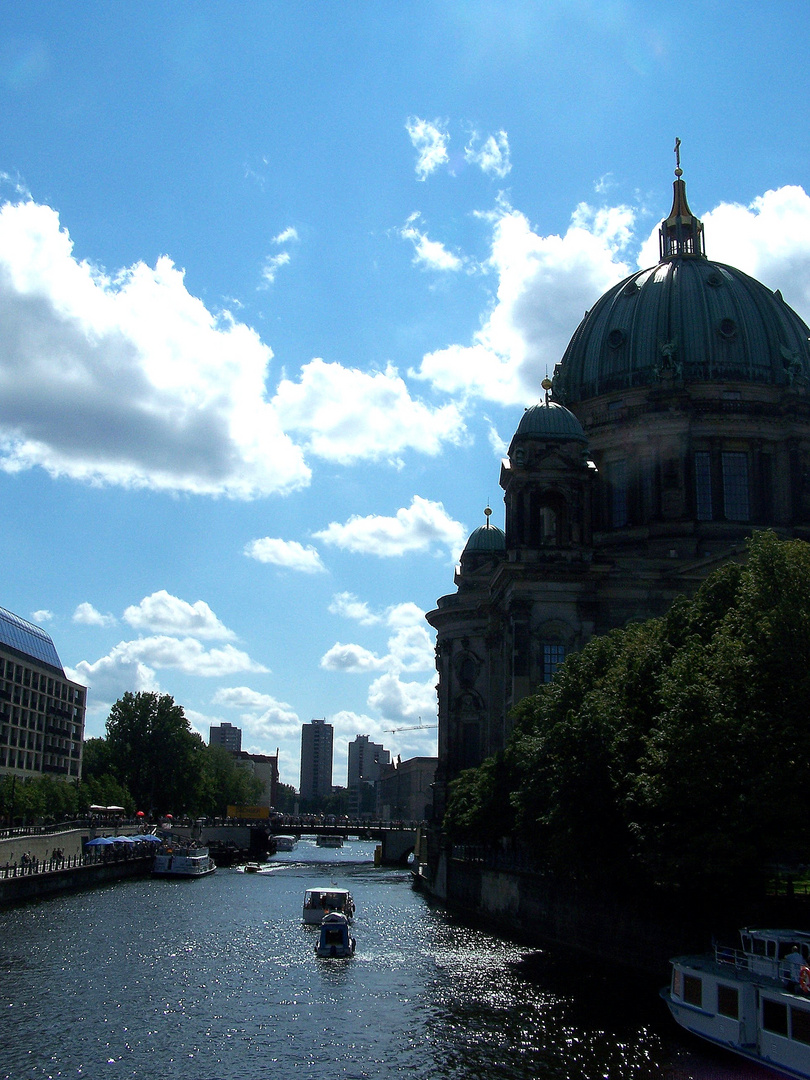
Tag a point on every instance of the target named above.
point(693, 990)
point(774, 1017)
point(728, 1001)
point(677, 990)
point(770, 948)
point(758, 946)
point(800, 1025)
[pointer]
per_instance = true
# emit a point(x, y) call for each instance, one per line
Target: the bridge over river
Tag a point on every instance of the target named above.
point(397, 839)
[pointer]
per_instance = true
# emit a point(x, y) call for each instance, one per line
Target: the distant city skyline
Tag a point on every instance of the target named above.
point(278, 282)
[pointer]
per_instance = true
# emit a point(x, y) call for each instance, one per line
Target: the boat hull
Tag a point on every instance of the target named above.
point(750, 1001)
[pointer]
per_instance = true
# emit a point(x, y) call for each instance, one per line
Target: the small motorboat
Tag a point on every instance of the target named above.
point(252, 868)
point(319, 902)
point(335, 939)
point(285, 843)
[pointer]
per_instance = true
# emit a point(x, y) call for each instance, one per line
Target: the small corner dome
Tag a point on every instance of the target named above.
point(485, 540)
point(550, 420)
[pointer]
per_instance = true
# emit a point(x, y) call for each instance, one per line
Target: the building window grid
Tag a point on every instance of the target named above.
point(553, 657)
point(735, 485)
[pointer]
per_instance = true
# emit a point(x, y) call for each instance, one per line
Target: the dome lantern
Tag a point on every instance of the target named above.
point(681, 233)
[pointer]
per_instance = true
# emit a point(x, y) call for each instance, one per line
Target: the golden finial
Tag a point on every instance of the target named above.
point(487, 514)
point(678, 169)
point(546, 384)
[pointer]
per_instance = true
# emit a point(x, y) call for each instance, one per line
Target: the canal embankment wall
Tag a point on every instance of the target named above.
point(637, 934)
point(56, 863)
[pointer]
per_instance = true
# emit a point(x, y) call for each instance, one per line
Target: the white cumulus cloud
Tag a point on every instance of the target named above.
point(261, 716)
point(545, 285)
point(416, 528)
point(87, 615)
point(127, 378)
point(163, 613)
point(288, 554)
point(346, 415)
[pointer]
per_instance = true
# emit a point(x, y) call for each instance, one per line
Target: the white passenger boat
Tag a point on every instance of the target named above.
point(754, 1000)
point(329, 840)
point(318, 902)
point(334, 939)
point(285, 843)
point(181, 860)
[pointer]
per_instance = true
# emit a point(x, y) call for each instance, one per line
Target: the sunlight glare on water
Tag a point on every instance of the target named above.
point(217, 980)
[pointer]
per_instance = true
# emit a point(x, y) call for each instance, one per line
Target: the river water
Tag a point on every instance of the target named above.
point(217, 980)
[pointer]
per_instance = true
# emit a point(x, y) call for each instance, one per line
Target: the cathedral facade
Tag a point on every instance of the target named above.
point(677, 422)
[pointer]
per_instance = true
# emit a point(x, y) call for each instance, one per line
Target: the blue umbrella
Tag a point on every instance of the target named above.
point(123, 840)
point(100, 841)
point(152, 838)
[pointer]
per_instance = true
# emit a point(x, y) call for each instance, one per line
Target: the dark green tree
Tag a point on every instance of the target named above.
point(154, 752)
point(672, 753)
point(223, 782)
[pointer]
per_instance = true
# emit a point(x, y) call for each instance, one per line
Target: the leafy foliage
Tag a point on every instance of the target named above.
point(674, 752)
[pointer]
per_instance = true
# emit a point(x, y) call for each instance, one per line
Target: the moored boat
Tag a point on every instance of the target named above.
point(334, 939)
point(285, 843)
point(754, 1001)
point(319, 902)
point(181, 860)
point(329, 840)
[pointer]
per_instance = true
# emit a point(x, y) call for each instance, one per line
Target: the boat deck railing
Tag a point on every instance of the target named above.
point(768, 966)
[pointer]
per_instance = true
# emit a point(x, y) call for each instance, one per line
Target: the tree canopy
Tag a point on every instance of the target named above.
point(674, 752)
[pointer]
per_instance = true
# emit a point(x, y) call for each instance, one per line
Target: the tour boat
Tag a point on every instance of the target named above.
point(318, 902)
point(329, 840)
point(177, 859)
point(754, 1000)
point(285, 843)
point(335, 939)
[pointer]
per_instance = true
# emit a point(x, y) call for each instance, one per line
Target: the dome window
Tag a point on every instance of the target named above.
point(727, 329)
point(616, 338)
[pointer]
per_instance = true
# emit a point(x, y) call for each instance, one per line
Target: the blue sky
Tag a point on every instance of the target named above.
point(277, 281)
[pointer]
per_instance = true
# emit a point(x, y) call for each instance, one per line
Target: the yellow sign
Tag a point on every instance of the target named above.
point(254, 813)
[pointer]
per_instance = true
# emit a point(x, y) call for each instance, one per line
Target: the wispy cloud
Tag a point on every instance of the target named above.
point(491, 155)
point(428, 253)
point(430, 142)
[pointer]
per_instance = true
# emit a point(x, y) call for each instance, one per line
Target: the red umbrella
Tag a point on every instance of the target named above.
point(169, 817)
point(140, 814)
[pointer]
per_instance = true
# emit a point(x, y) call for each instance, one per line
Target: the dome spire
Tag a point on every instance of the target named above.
point(682, 232)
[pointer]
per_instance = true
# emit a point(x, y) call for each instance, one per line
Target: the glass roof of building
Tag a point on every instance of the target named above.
point(26, 638)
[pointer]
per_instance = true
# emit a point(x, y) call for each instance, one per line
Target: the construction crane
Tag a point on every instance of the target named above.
point(416, 727)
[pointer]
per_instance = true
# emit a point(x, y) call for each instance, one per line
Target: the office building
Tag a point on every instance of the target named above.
point(41, 710)
point(316, 760)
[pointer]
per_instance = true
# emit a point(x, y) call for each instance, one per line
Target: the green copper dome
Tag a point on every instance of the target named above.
point(688, 319)
point(487, 538)
point(550, 420)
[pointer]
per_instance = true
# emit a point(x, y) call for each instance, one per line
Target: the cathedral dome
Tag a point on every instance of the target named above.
point(550, 420)
point(687, 318)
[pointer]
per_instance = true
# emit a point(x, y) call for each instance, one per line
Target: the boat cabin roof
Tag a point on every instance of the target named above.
point(318, 892)
point(776, 943)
